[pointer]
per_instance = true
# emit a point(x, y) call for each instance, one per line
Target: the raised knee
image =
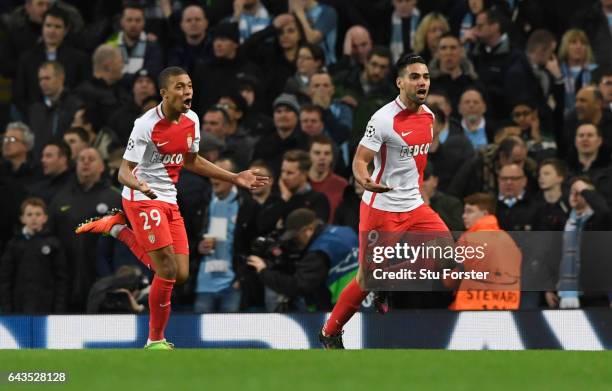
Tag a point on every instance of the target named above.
point(181, 277)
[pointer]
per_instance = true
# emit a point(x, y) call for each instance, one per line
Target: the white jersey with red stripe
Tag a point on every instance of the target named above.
point(158, 146)
point(401, 140)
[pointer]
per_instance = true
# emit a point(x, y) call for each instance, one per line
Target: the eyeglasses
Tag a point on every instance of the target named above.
point(10, 139)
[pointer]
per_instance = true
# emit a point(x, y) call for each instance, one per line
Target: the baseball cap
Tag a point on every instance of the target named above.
point(288, 100)
point(296, 221)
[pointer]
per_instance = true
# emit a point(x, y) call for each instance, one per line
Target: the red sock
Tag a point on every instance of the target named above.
point(348, 303)
point(126, 235)
point(159, 307)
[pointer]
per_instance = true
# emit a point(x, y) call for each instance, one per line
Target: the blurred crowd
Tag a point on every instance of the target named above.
point(521, 91)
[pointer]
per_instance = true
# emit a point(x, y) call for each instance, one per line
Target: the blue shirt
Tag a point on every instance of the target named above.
point(222, 214)
point(323, 18)
point(478, 138)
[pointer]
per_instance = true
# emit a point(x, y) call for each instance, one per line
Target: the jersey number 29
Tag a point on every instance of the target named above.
point(155, 216)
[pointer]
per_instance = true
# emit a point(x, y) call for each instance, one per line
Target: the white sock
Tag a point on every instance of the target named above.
point(150, 342)
point(114, 232)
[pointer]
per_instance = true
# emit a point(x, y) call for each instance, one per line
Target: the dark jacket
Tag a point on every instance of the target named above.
point(550, 217)
point(21, 36)
point(268, 214)
point(594, 22)
point(122, 120)
point(347, 213)
point(519, 217)
point(451, 155)
point(34, 275)
point(12, 194)
point(49, 186)
point(450, 210)
point(310, 199)
point(522, 83)
point(271, 147)
point(103, 99)
point(566, 139)
point(187, 56)
point(217, 76)
point(308, 278)
point(26, 90)
point(71, 206)
point(49, 122)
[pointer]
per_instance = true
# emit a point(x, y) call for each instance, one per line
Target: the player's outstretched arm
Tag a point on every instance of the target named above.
point(363, 157)
point(249, 179)
point(127, 178)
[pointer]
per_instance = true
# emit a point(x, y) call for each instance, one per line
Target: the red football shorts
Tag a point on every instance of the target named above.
point(157, 224)
point(380, 227)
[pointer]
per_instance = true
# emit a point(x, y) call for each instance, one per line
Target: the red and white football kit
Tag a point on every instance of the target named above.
point(158, 146)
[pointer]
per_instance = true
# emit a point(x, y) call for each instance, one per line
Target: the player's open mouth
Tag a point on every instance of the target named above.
point(422, 91)
point(187, 102)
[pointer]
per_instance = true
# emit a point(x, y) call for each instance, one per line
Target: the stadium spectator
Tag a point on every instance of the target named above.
point(366, 90)
point(239, 140)
point(479, 174)
point(230, 216)
point(255, 118)
point(448, 207)
point(472, 108)
point(449, 148)
point(589, 156)
point(311, 120)
point(55, 164)
point(120, 293)
point(286, 134)
point(463, 21)
point(515, 206)
point(321, 176)
point(251, 16)
point(501, 288)
point(427, 36)
point(403, 16)
point(603, 79)
point(526, 117)
point(595, 22)
point(88, 195)
point(355, 50)
point(492, 57)
point(319, 22)
point(337, 115)
point(137, 50)
point(195, 44)
point(577, 64)
point(301, 282)
point(581, 251)
point(552, 207)
point(52, 115)
point(275, 48)
point(23, 31)
point(310, 60)
point(295, 189)
point(33, 268)
point(347, 213)
point(451, 70)
point(122, 120)
point(77, 67)
point(213, 78)
point(17, 144)
point(77, 139)
point(270, 204)
point(104, 92)
point(537, 75)
point(103, 139)
point(589, 108)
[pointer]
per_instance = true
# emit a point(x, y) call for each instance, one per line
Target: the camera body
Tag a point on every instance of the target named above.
point(278, 255)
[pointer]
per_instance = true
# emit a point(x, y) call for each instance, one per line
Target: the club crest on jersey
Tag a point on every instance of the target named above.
point(189, 141)
point(174, 158)
point(414, 150)
point(151, 238)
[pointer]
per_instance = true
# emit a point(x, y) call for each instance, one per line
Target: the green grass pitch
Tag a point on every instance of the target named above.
point(312, 370)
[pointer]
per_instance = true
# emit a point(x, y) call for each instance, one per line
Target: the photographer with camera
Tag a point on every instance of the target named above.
point(304, 278)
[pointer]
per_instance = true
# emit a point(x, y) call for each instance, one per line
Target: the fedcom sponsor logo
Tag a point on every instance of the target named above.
point(414, 150)
point(175, 158)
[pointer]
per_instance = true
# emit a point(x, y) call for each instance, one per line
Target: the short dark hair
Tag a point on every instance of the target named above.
point(449, 35)
point(380, 51)
point(82, 133)
point(559, 166)
point(601, 72)
point(321, 139)
point(300, 157)
point(597, 129)
point(167, 73)
point(262, 164)
point(484, 201)
point(33, 201)
point(230, 159)
point(219, 109)
point(132, 5)
point(59, 13)
point(317, 52)
point(408, 59)
point(508, 144)
point(585, 178)
point(57, 66)
point(63, 148)
point(312, 108)
point(495, 16)
point(539, 38)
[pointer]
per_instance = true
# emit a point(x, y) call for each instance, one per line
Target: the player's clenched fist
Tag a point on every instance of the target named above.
point(144, 189)
point(372, 186)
